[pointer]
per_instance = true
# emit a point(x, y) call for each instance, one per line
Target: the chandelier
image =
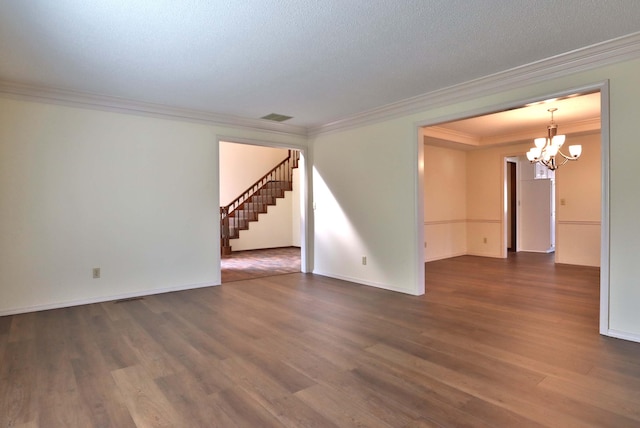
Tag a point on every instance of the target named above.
point(547, 150)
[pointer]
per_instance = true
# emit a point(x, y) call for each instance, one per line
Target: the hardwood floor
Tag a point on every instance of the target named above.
point(493, 343)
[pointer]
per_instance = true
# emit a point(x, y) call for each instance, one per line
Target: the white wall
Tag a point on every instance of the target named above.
point(365, 187)
point(136, 196)
point(445, 202)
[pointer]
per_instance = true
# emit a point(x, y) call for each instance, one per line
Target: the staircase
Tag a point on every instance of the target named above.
point(254, 201)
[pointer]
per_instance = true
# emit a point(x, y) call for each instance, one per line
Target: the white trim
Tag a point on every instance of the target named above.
point(262, 143)
point(103, 299)
point(451, 135)
point(610, 52)
point(359, 281)
point(605, 208)
point(306, 235)
point(419, 243)
point(623, 335)
point(128, 106)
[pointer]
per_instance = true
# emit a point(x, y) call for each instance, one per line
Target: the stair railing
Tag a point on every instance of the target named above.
point(283, 172)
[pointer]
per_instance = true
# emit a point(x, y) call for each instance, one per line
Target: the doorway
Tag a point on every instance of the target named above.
point(269, 247)
point(512, 204)
point(480, 222)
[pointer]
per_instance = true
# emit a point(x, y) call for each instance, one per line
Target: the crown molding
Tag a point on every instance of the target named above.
point(606, 53)
point(610, 52)
point(445, 134)
point(123, 105)
point(571, 128)
point(443, 137)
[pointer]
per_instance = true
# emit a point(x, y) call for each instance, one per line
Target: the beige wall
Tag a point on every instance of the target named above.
point(463, 204)
point(445, 202)
point(578, 207)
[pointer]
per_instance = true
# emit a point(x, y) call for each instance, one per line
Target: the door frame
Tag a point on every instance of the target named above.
point(306, 236)
point(603, 88)
point(515, 192)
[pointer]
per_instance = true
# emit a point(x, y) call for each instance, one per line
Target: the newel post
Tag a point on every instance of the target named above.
point(225, 245)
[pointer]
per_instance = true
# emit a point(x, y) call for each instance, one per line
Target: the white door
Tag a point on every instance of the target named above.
point(536, 215)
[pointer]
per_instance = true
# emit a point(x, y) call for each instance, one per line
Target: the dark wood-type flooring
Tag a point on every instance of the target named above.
point(493, 343)
point(242, 265)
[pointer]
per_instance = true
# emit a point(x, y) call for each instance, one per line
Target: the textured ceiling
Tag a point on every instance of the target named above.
point(317, 61)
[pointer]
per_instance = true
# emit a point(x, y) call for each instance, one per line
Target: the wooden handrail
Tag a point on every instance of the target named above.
point(281, 172)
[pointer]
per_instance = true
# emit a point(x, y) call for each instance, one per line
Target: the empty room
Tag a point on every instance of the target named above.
point(460, 263)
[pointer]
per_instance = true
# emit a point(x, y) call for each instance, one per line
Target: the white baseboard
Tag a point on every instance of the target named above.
point(365, 282)
point(58, 305)
point(623, 335)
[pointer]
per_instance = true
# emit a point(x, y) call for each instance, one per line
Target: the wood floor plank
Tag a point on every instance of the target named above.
point(148, 406)
point(273, 396)
point(494, 342)
point(329, 402)
point(18, 384)
point(22, 327)
point(192, 402)
point(243, 410)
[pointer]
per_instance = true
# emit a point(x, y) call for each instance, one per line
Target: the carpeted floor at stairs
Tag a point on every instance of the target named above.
point(241, 265)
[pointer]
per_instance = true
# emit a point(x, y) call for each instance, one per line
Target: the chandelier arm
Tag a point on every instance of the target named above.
point(567, 158)
point(564, 160)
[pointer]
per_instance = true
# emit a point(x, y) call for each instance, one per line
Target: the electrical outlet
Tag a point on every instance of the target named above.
point(96, 273)
point(364, 260)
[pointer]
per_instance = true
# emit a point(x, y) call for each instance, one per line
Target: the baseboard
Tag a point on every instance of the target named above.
point(448, 256)
point(623, 335)
point(102, 299)
point(360, 281)
point(478, 254)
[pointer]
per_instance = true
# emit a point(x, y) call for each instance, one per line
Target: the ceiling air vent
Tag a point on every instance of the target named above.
point(276, 117)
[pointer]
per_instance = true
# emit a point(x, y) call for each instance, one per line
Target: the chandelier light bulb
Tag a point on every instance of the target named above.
point(575, 150)
point(547, 150)
point(558, 140)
